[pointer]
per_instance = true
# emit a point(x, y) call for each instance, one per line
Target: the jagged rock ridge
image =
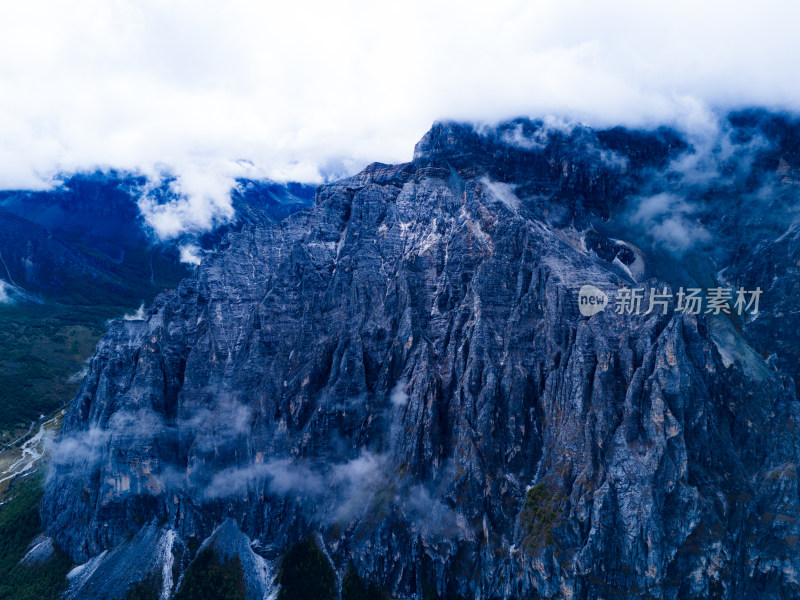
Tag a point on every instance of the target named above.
point(404, 369)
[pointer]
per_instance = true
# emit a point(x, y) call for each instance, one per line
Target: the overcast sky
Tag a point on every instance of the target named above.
point(298, 89)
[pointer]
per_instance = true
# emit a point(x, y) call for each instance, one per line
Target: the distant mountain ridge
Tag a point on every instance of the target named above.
point(91, 228)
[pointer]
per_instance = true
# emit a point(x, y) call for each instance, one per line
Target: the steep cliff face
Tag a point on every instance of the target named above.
point(404, 369)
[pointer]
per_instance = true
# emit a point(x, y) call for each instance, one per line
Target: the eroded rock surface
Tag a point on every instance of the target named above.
point(404, 369)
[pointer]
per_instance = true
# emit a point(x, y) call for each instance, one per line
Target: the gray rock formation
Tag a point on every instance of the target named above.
point(404, 369)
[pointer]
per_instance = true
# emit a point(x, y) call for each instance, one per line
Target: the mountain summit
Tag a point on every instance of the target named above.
point(403, 373)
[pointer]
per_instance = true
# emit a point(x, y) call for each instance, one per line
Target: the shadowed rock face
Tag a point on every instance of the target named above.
point(404, 369)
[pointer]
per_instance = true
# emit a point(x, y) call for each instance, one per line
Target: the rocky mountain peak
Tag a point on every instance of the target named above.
point(404, 372)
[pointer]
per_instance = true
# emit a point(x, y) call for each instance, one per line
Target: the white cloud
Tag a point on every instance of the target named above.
point(399, 397)
point(502, 192)
point(192, 210)
point(284, 477)
point(5, 297)
point(670, 221)
point(191, 254)
point(139, 315)
point(213, 91)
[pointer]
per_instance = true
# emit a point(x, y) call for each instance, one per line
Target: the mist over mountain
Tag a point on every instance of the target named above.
point(425, 300)
point(305, 91)
point(402, 374)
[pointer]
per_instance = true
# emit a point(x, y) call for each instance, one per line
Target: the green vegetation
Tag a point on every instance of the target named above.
point(19, 525)
point(41, 347)
point(431, 594)
point(306, 573)
point(147, 589)
point(539, 514)
point(354, 588)
point(209, 578)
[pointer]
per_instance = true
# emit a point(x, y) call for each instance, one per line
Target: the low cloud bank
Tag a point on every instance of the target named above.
point(211, 91)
